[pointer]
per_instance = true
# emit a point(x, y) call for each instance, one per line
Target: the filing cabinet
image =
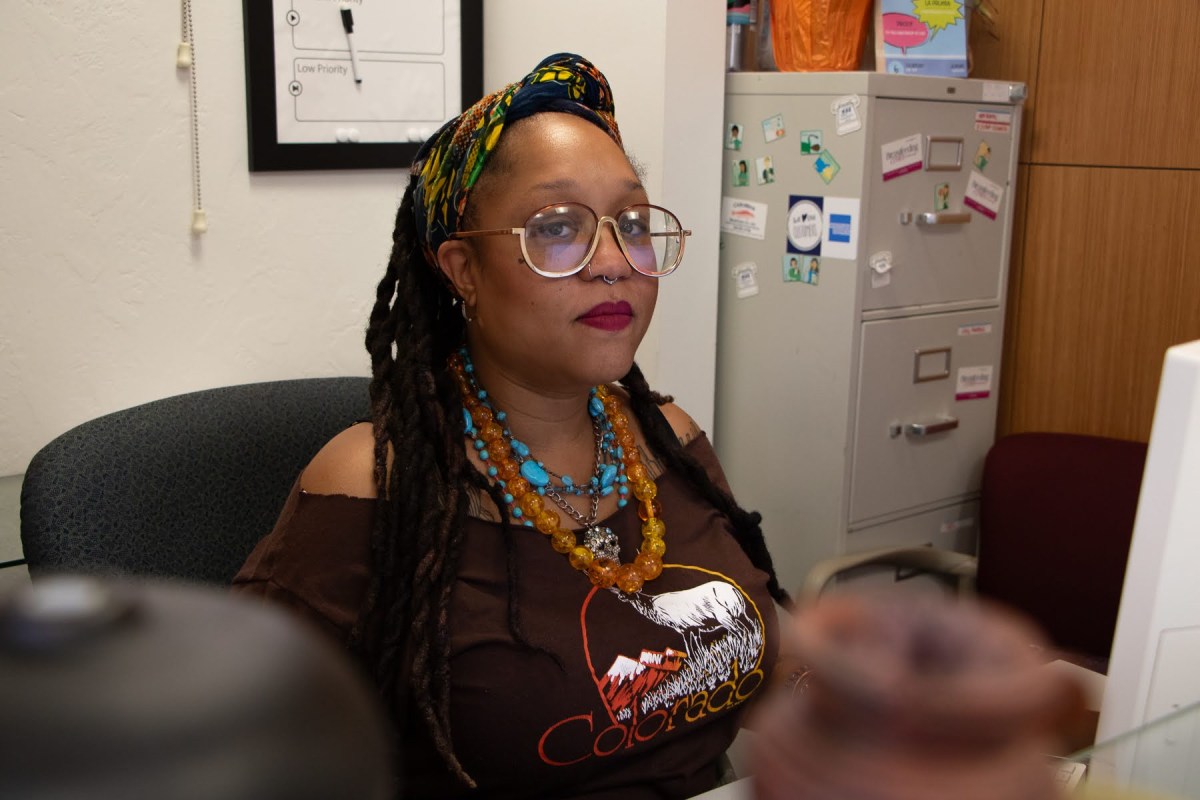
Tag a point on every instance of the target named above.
point(854, 407)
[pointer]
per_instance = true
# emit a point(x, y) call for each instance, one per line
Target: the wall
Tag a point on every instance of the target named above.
point(665, 61)
point(1109, 184)
point(108, 300)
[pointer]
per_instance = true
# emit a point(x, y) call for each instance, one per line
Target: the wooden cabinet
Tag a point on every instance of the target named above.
point(1102, 276)
point(1118, 83)
point(1108, 282)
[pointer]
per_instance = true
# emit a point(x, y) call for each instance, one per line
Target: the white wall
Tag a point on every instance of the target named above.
point(665, 60)
point(106, 298)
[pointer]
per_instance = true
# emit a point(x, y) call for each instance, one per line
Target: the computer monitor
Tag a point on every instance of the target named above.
point(1155, 665)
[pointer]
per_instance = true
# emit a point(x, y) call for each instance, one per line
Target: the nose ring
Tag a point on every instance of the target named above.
point(605, 278)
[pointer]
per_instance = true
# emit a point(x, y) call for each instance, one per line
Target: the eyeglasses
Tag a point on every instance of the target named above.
point(559, 240)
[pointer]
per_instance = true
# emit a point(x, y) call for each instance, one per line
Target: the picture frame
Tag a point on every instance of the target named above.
point(325, 95)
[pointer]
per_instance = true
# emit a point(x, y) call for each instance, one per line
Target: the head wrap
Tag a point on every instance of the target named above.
point(450, 162)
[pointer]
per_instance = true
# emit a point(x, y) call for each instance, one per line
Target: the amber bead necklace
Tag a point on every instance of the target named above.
point(526, 482)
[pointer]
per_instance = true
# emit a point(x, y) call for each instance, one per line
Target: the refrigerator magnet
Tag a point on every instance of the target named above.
point(764, 170)
point(810, 143)
point(773, 128)
point(881, 268)
point(801, 269)
point(845, 113)
point(805, 224)
point(941, 197)
point(827, 167)
point(983, 154)
point(733, 137)
point(745, 277)
point(739, 172)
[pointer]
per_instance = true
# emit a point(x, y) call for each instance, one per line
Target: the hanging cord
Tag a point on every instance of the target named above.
point(185, 58)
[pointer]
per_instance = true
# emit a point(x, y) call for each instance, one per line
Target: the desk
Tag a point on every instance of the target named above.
point(738, 790)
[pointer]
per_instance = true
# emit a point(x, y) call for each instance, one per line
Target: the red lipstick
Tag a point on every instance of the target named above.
point(608, 316)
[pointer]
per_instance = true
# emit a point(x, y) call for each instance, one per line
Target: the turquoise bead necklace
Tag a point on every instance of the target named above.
point(608, 474)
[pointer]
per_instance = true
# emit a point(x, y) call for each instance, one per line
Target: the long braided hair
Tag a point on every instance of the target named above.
point(423, 480)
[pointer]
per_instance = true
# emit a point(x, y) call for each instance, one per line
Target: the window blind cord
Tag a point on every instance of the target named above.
point(185, 58)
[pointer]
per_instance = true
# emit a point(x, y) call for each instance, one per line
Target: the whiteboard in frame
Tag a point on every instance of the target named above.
point(418, 65)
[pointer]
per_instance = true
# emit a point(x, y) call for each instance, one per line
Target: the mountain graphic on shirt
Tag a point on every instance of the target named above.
point(628, 680)
point(718, 635)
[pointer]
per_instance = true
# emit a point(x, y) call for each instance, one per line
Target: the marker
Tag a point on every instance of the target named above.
point(348, 25)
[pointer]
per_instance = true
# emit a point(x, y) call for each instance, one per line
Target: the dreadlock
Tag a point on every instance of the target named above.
point(421, 509)
point(422, 478)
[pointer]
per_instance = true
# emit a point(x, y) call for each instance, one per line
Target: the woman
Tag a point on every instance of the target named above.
point(524, 627)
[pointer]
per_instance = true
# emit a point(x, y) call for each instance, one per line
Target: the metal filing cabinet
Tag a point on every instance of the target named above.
point(855, 402)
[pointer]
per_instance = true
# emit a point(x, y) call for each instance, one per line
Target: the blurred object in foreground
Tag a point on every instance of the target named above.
point(913, 696)
point(121, 689)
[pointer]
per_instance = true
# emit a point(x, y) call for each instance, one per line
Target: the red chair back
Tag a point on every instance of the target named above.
point(1057, 513)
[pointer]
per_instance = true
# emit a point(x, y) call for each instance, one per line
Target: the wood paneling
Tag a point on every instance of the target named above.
point(1107, 284)
point(1007, 50)
point(1118, 83)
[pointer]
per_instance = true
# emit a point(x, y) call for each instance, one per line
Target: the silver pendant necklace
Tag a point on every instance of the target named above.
point(598, 538)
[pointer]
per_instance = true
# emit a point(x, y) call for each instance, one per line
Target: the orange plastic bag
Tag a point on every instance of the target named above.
point(819, 35)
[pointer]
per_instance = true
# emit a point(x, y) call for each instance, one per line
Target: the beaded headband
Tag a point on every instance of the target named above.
point(450, 162)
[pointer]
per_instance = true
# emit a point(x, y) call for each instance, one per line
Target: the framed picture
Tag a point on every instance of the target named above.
point(355, 85)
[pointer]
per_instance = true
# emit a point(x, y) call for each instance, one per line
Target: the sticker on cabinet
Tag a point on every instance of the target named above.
point(743, 217)
point(733, 137)
point(805, 224)
point(773, 128)
point(745, 275)
point(845, 113)
point(827, 167)
point(974, 383)
point(801, 269)
point(810, 143)
point(902, 156)
point(840, 236)
point(993, 121)
point(983, 195)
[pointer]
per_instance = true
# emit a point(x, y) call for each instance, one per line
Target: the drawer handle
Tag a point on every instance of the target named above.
point(929, 428)
point(943, 218)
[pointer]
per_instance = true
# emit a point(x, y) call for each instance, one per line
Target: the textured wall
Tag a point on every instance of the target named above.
point(106, 298)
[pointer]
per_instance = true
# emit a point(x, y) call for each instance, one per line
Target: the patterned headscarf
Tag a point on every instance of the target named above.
point(450, 162)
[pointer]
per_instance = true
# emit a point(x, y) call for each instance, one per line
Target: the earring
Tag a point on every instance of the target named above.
point(467, 314)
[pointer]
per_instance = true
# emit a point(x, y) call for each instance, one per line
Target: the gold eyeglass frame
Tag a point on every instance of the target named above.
point(600, 220)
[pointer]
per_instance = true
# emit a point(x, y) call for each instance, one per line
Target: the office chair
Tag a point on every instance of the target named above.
point(1056, 519)
point(182, 487)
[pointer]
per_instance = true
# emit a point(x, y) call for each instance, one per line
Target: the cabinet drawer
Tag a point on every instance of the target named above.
point(925, 412)
point(942, 250)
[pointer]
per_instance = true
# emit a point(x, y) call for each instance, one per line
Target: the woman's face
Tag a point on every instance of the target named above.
point(556, 335)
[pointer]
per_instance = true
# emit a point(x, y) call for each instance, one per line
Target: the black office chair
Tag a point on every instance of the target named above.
point(181, 487)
